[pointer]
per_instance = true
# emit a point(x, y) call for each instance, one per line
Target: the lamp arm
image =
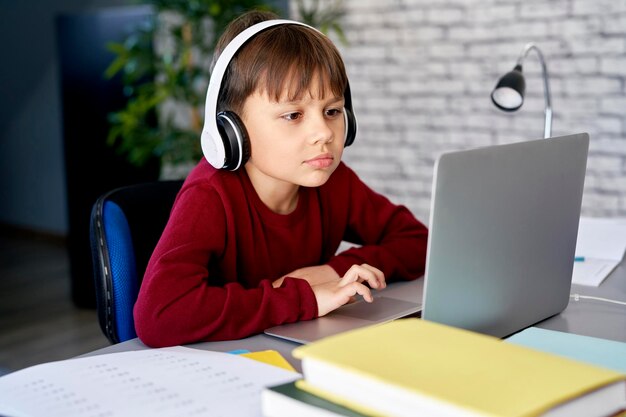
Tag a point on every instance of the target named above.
point(547, 130)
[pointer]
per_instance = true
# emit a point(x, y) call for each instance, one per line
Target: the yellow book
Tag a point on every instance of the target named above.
point(414, 367)
point(271, 357)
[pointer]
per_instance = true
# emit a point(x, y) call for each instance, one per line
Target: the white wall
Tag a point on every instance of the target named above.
point(421, 74)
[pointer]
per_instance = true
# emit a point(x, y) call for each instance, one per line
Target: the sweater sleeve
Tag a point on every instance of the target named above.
point(184, 299)
point(390, 237)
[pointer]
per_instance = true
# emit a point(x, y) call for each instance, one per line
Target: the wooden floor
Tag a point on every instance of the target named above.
point(38, 321)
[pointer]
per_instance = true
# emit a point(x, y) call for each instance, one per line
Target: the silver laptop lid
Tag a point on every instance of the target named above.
point(503, 227)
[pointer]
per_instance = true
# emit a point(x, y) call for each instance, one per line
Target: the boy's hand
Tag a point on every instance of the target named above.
point(333, 294)
point(319, 274)
point(367, 273)
point(312, 274)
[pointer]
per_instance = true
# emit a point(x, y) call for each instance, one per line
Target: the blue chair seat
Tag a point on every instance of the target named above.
point(126, 224)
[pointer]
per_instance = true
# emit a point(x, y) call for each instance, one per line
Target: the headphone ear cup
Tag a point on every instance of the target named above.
point(350, 127)
point(235, 139)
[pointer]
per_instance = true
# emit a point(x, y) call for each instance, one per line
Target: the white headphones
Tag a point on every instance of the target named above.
point(224, 139)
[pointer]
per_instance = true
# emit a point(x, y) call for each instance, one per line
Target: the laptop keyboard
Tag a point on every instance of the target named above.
point(381, 308)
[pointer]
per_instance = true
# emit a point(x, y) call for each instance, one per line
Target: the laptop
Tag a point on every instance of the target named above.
point(502, 238)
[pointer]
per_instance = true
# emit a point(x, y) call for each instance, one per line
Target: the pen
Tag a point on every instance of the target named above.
point(579, 259)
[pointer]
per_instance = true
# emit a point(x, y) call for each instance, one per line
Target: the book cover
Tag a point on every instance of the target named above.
point(601, 352)
point(271, 357)
point(410, 365)
point(286, 400)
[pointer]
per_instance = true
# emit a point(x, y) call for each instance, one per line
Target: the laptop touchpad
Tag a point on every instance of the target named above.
point(381, 308)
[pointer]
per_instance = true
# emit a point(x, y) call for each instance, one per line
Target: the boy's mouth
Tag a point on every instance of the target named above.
point(321, 161)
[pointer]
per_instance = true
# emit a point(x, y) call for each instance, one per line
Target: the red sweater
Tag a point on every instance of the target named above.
point(210, 276)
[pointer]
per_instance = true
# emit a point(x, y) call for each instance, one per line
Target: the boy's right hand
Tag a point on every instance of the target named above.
point(333, 294)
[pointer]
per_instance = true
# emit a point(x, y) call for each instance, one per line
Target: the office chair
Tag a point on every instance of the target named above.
point(126, 224)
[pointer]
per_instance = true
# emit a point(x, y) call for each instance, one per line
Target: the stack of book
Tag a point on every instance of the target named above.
point(413, 367)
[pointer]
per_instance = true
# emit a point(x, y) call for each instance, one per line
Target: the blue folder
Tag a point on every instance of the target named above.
point(602, 352)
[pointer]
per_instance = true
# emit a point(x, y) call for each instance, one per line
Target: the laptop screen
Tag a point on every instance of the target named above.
point(502, 235)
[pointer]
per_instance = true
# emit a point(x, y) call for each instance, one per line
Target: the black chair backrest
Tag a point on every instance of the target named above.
point(126, 224)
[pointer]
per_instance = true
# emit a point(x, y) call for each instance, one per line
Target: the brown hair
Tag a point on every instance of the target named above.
point(280, 57)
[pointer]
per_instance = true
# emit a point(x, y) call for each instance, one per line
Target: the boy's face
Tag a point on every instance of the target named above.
point(296, 142)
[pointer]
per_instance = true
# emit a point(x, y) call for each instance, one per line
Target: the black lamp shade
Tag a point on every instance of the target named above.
point(508, 95)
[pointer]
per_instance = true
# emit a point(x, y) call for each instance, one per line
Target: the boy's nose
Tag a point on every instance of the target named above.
point(320, 131)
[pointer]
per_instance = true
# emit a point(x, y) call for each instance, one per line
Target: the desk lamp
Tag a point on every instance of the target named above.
point(508, 95)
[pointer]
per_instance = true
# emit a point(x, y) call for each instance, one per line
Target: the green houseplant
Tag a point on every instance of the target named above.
point(164, 66)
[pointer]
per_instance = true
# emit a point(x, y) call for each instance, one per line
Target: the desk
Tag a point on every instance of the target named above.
point(585, 317)
point(595, 318)
point(409, 291)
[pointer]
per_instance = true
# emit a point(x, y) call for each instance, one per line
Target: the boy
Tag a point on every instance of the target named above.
point(252, 248)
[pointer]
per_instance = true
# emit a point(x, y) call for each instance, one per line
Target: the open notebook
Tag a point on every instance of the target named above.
point(502, 238)
point(600, 248)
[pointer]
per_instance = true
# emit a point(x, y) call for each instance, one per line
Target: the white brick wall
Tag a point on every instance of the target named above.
point(421, 73)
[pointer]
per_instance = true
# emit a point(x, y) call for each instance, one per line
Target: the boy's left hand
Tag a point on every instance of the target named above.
point(319, 274)
point(312, 274)
point(333, 294)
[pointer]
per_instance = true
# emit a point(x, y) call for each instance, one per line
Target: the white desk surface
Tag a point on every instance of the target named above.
point(584, 317)
point(595, 318)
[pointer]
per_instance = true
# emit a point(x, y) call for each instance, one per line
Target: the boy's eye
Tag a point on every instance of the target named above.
point(292, 116)
point(333, 112)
